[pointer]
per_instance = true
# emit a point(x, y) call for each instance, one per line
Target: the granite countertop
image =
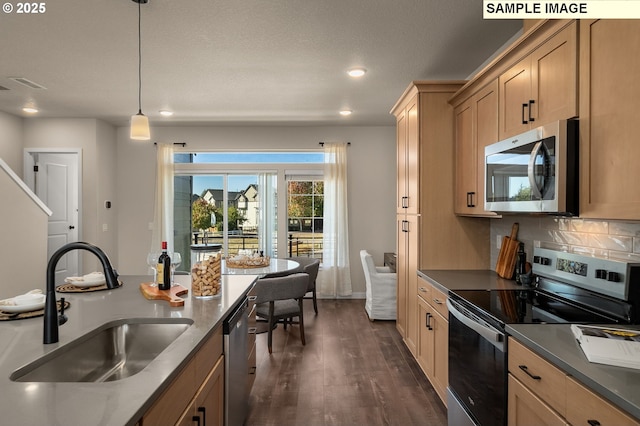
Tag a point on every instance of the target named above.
point(556, 343)
point(119, 402)
point(473, 279)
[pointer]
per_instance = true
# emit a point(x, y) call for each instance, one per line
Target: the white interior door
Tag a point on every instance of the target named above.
point(56, 184)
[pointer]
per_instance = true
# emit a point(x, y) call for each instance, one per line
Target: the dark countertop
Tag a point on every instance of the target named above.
point(473, 279)
point(556, 343)
point(116, 403)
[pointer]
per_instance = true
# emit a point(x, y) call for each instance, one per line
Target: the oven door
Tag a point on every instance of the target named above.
point(477, 366)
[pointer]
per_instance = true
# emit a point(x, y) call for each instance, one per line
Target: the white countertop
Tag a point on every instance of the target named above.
point(115, 403)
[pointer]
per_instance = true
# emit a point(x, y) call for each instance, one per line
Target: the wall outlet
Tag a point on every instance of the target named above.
point(498, 241)
point(105, 227)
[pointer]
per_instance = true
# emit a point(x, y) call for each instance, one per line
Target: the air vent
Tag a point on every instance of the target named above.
point(27, 82)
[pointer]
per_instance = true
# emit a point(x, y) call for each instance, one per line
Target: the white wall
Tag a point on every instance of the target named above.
point(11, 141)
point(371, 174)
point(96, 139)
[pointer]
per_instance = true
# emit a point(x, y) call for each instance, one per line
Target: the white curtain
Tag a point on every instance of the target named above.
point(267, 218)
point(163, 207)
point(334, 279)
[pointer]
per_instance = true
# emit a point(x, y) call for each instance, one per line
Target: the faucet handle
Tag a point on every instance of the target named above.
point(62, 318)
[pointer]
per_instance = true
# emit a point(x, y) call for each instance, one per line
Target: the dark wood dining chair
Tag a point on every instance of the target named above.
point(280, 298)
point(311, 266)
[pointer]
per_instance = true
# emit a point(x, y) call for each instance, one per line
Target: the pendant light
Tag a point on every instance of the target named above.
point(139, 122)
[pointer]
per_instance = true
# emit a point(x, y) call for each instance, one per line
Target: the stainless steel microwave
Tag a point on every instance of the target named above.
point(534, 172)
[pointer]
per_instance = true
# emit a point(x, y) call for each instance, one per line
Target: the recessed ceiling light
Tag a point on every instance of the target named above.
point(357, 72)
point(166, 113)
point(30, 109)
point(345, 112)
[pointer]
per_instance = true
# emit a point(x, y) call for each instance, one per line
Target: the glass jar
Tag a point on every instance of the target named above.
point(205, 271)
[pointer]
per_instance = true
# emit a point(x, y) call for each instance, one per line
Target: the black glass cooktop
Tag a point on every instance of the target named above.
point(527, 306)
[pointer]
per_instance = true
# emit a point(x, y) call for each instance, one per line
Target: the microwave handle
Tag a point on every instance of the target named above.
point(531, 170)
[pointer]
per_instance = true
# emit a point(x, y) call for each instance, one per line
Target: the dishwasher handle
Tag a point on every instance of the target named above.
point(236, 317)
point(486, 331)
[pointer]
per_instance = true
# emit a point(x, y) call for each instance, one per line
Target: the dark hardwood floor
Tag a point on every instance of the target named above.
point(351, 372)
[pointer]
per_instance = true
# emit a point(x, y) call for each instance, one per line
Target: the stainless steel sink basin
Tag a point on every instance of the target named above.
point(114, 351)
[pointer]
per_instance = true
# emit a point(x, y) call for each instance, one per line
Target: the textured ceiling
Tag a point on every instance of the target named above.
point(245, 62)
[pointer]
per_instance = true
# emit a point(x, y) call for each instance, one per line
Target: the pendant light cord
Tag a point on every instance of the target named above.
point(139, 59)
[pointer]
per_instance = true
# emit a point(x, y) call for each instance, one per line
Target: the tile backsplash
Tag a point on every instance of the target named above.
point(602, 238)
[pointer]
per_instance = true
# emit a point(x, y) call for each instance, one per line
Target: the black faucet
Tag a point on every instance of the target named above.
point(51, 320)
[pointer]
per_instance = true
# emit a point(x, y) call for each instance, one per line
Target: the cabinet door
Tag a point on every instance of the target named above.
point(526, 409)
point(424, 353)
point(515, 94)
point(401, 158)
point(554, 78)
point(440, 377)
point(476, 127)
point(586, 408)
point(210, 399)
point(466, 159)
point(486, 124)
point(609, 93)
point(411, 235)
point(401, 274)
point(413, 157)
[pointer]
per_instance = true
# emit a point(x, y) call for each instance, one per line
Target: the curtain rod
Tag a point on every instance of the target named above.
point(322, 143)
point(182, 144)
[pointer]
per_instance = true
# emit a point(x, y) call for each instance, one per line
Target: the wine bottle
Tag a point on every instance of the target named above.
point(164, 269)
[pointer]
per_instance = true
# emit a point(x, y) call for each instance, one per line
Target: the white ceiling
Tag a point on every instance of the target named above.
point(241, 62)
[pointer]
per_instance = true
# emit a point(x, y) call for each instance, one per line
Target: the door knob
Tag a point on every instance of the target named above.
point(72, 227)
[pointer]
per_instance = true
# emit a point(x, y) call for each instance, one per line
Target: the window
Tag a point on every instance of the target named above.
point(231, 199)
point(305, 204)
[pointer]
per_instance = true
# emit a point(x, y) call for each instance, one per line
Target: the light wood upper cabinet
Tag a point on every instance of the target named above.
point(476, 122)
point(542, 87)
point(609, 93)
point(408, 152)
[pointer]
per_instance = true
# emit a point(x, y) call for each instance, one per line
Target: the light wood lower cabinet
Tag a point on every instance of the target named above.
point(198, 391)
point(526, 409)
point(584, 407)
point(433, 337)
point(541, 394)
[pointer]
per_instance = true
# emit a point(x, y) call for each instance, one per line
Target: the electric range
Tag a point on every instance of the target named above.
point(567, 288)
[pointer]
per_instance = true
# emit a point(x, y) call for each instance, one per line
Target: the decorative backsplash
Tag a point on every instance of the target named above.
point(602, 238)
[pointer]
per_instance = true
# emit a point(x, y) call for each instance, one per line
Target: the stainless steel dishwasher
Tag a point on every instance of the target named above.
point(236, 365)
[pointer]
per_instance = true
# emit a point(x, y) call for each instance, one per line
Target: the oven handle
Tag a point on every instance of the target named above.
point(493, 336)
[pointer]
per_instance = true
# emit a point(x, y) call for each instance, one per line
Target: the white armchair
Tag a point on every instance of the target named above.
point(381, 289)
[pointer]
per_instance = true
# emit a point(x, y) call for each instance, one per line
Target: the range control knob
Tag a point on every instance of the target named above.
point(601, 274)
point(536, 259)
point(613, 277)
point(545, 261)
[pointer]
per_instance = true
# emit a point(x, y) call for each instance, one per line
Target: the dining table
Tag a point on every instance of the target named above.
point(276, 266)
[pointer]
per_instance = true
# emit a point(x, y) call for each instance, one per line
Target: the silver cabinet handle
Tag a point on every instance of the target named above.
point(437, 301)
point(252, 330)
point(422, 289)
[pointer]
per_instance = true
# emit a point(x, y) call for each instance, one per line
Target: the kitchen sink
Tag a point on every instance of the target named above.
point(114, 351)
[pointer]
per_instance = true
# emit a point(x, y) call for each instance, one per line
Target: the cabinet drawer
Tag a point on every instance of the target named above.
point(542, 378)
point(586, 408)
point(424, 289)
point(438, 300)
point(526, 409)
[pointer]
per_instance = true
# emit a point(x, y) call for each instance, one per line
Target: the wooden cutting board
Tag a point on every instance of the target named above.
point(508, 252)
point(171, 295)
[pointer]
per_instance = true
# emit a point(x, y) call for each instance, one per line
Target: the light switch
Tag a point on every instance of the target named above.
point(105, 227)
point(498, 241)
